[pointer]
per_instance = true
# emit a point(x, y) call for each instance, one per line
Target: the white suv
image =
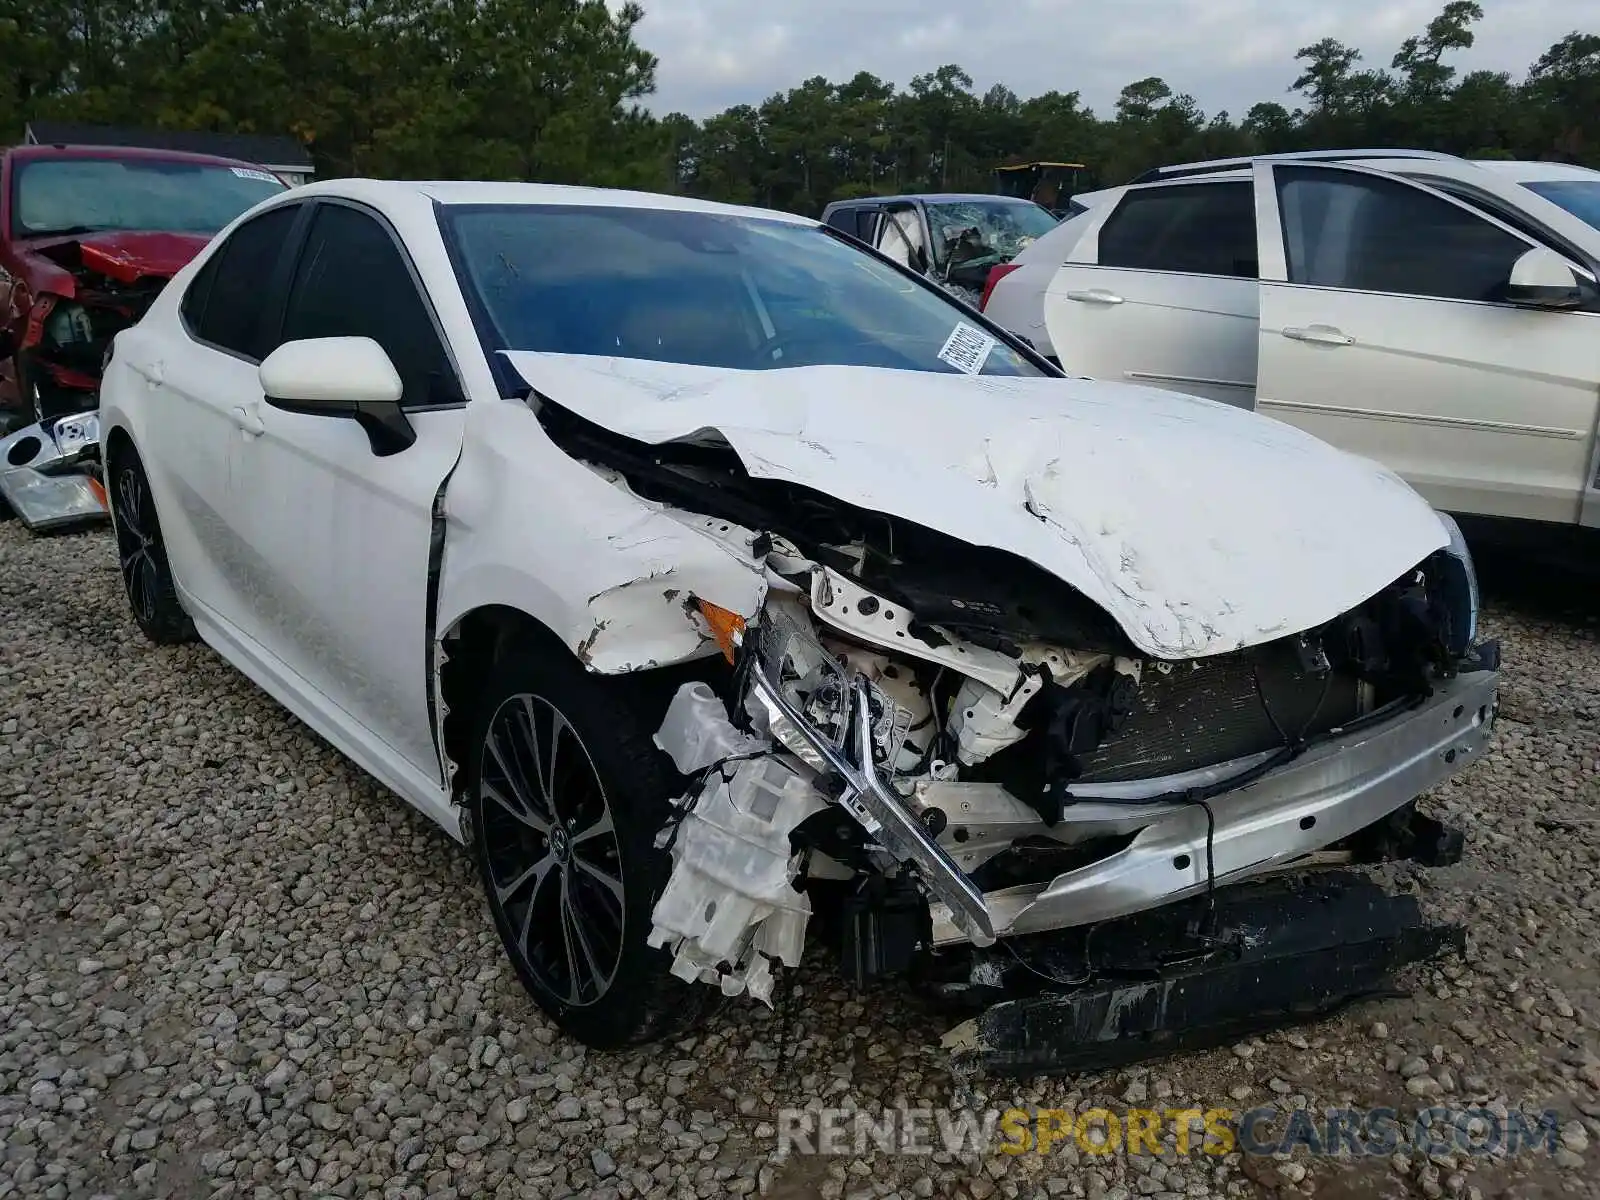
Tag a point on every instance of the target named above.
point(1437, 314)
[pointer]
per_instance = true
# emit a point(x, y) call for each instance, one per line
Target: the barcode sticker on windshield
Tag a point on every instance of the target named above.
point(967, 348)
point(264, 176)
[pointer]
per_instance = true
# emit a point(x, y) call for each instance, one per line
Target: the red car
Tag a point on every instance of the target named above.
point(88, 236)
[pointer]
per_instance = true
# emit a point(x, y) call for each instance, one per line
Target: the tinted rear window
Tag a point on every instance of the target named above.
point(1196, 228)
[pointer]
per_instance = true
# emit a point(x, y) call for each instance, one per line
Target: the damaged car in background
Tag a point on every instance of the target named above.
point(957, 240)
point(89, 236)
point(727, 588)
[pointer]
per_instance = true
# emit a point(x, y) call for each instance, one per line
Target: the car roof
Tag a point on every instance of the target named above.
point(1528, 171)
point(384, 193)
point(1422, 162)
point(1219, 165)
point(932, 198)
point(43, 151)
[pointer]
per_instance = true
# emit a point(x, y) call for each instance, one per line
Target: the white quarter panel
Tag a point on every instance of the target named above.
point(613, 575)
point(175, 397)
point(1017, 304)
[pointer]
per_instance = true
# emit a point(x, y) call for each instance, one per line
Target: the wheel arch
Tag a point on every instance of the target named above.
point(116, 445)
point(118, 442)
point(468, 648)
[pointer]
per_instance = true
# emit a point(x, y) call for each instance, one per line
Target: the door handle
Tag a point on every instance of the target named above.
point(1321, 335)
point(1095, 296)
point(248, 421)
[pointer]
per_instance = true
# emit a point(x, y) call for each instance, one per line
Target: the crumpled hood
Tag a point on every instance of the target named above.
point(127, 255)
point(1200, 527)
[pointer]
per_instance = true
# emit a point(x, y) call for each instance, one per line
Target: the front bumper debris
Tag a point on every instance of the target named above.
point(1276, 952)
point(881, 811)
point(1332, 791)
point(49, 473)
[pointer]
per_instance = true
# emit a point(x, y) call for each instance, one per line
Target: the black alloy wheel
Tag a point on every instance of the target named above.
point(146, 574)
point(565, 795)
point(553, 858)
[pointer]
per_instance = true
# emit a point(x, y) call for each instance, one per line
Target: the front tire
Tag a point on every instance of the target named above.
point(567, 793)
point(142, 555)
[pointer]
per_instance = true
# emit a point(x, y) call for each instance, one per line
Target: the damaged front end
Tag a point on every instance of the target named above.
point(1028, 717)
point(50, 474)
point(104, 283)
point(1106, 855)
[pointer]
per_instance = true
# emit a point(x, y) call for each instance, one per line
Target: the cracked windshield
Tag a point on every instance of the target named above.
point(973, 233)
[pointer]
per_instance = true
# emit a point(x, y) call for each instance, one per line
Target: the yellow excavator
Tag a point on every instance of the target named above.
point(1051, 184)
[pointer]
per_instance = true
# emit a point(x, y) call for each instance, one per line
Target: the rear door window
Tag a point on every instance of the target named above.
point(1193, 228)
point(224, 303)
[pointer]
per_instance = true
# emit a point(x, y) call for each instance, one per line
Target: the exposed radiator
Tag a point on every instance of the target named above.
point(1206, 712)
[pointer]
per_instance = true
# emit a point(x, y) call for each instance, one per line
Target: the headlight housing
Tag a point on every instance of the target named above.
point(1459, 587)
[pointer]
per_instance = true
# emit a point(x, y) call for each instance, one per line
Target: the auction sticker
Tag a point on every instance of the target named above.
point(248, 173)
point(967, 348)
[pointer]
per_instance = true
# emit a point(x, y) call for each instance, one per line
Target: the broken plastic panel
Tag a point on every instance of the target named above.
point(811, 681)
point(46, 472)
point(696, 731)
point(730, 905)
point(1283, 952)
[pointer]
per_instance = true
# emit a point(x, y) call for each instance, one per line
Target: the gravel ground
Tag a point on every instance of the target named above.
point(232, 965)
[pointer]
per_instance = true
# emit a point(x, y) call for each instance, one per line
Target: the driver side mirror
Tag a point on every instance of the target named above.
point(1541, 278)
point(340, 377)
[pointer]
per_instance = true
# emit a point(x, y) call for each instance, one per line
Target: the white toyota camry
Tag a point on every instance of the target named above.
point(700, 568)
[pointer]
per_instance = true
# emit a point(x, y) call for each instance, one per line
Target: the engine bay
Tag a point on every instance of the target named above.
point(907, 772)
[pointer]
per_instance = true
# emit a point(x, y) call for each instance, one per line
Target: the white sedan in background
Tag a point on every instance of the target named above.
point(687, 561)
point(1439, 315)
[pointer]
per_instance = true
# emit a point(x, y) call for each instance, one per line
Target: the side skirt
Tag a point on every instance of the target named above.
point(330, 722)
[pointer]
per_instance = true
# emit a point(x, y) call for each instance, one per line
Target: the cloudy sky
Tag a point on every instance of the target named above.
point(1227, 53)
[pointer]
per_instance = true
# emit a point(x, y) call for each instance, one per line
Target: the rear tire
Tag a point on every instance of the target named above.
point(146, 574)
point(566, 793)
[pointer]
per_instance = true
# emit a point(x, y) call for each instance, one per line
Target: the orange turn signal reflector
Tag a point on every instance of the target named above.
point(99, 491)
point(727, 627)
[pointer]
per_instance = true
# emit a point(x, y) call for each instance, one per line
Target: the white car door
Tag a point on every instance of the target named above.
point(343, 533)
point(1161, 290)
point(198, 384)
point(1384, 330)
